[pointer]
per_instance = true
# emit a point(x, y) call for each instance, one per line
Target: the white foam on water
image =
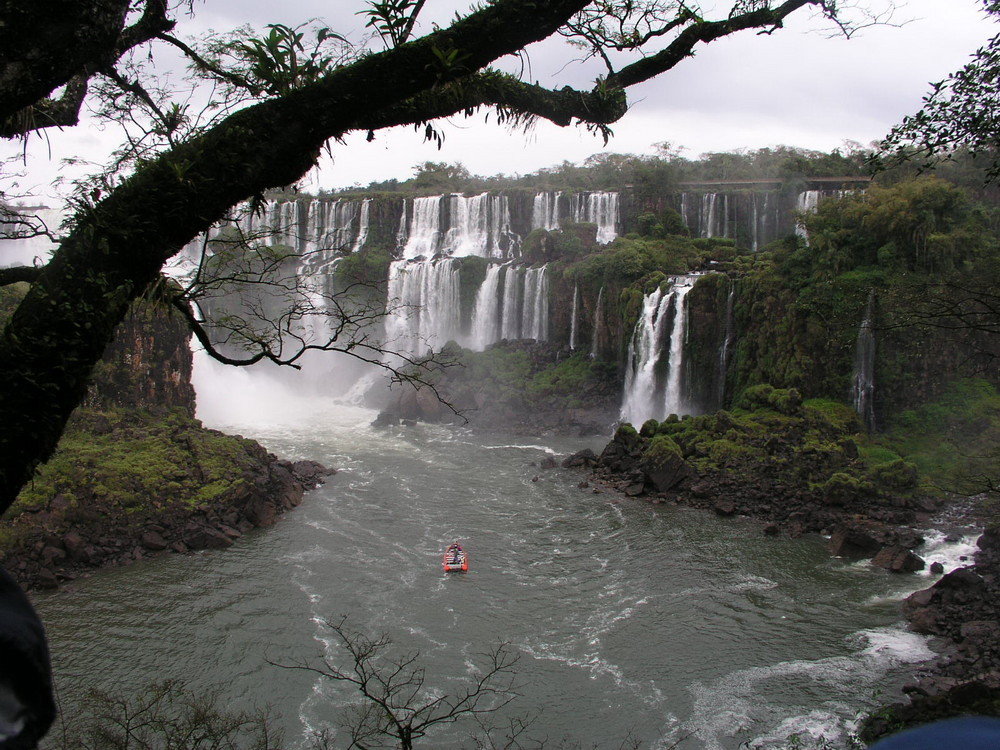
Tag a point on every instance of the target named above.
point(737, 704)
point(896, 644)
point(940, 547)
point(819, 727)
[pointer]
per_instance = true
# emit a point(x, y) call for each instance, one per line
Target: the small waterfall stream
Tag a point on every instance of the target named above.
point(572, 318)
point(864, 367)
point(598, 318)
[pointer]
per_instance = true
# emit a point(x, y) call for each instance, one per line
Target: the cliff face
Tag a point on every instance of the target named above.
point(147, 365)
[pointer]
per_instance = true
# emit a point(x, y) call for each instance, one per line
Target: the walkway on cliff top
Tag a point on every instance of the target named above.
point(818, 182)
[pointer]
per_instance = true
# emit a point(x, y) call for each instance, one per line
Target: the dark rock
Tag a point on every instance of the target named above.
point(898, 559)
point(548, 463)
point(46, 579)
point(205, 537)
point(724, 508)
point(311, 473)
point(76, 548)
point(261, 513)
point(635, 489)
point(153, 541)
point(854, 542)
point(937, 568)
point(53, 555)
point(584, 458)
point(385, 419)
point(772, 529)
point(701, 490)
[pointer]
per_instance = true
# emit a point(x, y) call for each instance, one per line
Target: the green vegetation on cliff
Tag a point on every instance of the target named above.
point(129, 468)
point(132, 461)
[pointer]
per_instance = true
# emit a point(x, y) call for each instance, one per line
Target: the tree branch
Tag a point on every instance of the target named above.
point(14, 274)
point(701, 31)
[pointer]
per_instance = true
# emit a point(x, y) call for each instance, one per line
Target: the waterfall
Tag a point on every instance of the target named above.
point(599, 208)
point(362, 225)
point(602, 209)
point(424, 229)
point(594, 347)
point(486, 315)
point(572, 317)
point(808, 202)
point(641, 382)
point(402, 232)
point(864, 367)
point(674, 397)
point(535, 305)
point(422, 300)
point(479, 225)
point(727, 339)
point(707, 216)
point(545, 211)
point(655, 366)
point(510, 327)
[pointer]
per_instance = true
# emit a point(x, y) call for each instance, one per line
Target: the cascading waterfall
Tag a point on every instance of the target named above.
point(807, 202)
point(674, 402)
point(545, 211)
point(864, 367)
point(572, 318)
point(598, 307)
point(535, 306)
point(423, 297)
point(653, 377)
point(510, 327)
point(486, 315)
point(479, 225)
point(600, 208)
point(424, 231)
point(424, 304)
point(707, 217)
point(362, 225)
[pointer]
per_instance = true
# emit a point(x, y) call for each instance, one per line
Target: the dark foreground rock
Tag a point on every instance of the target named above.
point(962, 611)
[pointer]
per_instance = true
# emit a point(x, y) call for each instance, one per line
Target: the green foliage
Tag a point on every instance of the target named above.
point(279, 62)
point(897, 474)
point(925, 224)
point(764, 396)
point(392, 19)
point(513, 376)
point(661, 452)
point(369, 266)
point(953, 440)
point(775, 441)
point(839, 414)
point(137, 462)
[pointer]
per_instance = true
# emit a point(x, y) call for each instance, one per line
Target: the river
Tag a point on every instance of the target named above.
point(630, 619)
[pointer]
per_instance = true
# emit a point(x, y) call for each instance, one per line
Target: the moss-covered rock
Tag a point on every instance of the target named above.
point(776, 457)
point(127, 483)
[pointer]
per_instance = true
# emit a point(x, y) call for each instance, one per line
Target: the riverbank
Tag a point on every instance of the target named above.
point(129, 484)
point(797, 471)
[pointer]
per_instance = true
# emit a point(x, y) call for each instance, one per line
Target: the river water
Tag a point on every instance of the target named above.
point(631, 620)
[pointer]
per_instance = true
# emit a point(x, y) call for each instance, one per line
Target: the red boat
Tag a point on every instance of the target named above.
point(455, 558)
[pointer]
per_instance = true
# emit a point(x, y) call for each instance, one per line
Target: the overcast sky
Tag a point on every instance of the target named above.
point(797, 87)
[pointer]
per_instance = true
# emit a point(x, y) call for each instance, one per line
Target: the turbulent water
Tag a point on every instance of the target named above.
point(654, 622)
